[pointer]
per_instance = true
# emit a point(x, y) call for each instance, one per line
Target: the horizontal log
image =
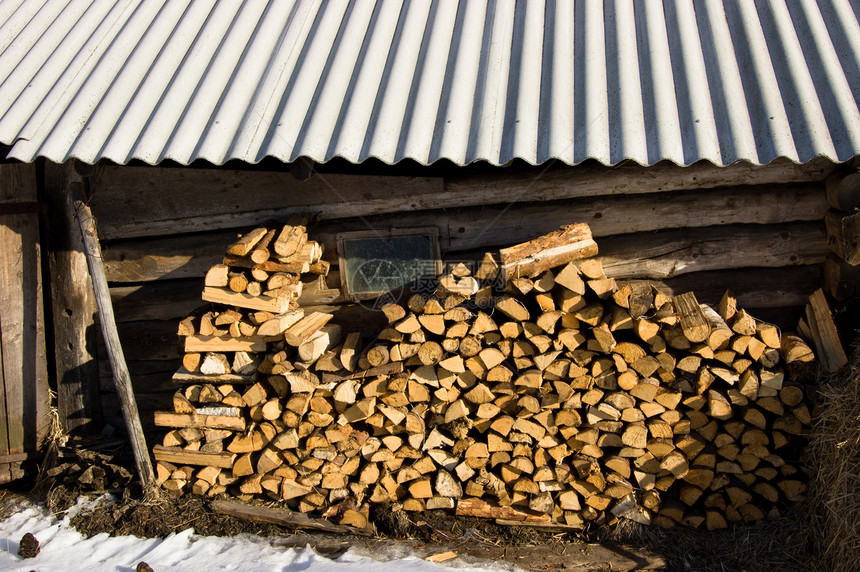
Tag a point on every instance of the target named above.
point(183, 376)
point(480, 508)
point(468, 229)
point(224, 344)
point(672, 253)
point(179, 456)
point(753, 287)
point(589, 181)
point(146, 201)
point(463, 229)
point(167, 419)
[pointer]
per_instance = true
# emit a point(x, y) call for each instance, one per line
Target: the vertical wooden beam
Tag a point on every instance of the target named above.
point(843, 235)
point(73, 309)
point(5, 469)
point(122, 379)
point(22, 344)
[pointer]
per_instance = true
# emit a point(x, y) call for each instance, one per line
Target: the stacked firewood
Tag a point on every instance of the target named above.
point(531, 388)
point(256, 289)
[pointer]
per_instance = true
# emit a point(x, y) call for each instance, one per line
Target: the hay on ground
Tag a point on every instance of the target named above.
point(834, 461)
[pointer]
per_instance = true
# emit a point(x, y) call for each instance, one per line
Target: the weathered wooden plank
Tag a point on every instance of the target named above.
point(12, 329)
point(145, 201)
point(183, 376)
point(200, 343)
point(672, 253)
point(21, 316)
point(122, 379)
point(843, 235)
point(463, 229)
point(180, 456)
point(169, 257)
point(170, 419)
point(73, 310)
point(5, 473)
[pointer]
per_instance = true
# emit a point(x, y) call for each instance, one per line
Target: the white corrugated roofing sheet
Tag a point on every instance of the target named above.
point(473, 80)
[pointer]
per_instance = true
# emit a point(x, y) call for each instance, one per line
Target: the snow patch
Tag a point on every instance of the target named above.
point(63, 548)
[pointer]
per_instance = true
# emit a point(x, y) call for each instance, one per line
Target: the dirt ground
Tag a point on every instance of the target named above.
point(781, 544)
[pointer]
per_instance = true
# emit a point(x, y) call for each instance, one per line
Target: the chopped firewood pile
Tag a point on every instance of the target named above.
point(529, 387)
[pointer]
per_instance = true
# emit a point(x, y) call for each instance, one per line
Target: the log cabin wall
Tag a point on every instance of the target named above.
point(756, 230)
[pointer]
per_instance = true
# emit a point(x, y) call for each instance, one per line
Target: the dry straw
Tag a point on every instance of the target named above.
point(834, 461)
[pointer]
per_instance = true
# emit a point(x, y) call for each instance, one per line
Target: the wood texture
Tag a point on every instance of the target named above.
point(122, 379)
point(170, 199)
point(843, 189)
point(672, 253)
point(470, 229)
point(167, 419)
point(73, 309)
point(243, 300)
point(23, 372)
point(528, 259)
point(829, 348)
point(280, 517)
point(843, 235)
point(759, 288)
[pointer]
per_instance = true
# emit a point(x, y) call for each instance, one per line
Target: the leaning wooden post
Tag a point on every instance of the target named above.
point(121, 377)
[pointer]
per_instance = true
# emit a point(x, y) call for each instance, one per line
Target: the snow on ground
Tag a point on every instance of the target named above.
point(63, 548)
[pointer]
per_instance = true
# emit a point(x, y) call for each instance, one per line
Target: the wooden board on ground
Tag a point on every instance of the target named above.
point(281, 517)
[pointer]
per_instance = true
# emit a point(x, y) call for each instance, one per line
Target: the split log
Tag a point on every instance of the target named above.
point(293, 236)
point(246, 243)
point(572, 242)
point(299, 332)
point(277, 305)
point(825, 336)
point(319, 342)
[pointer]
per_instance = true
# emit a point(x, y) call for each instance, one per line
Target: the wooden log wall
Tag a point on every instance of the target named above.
point(24, 396)
point(757, 230)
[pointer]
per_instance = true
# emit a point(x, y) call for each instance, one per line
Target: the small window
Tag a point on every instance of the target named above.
point(373, 263)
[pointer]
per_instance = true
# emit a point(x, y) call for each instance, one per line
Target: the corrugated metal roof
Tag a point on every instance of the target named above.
point(472, 80)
